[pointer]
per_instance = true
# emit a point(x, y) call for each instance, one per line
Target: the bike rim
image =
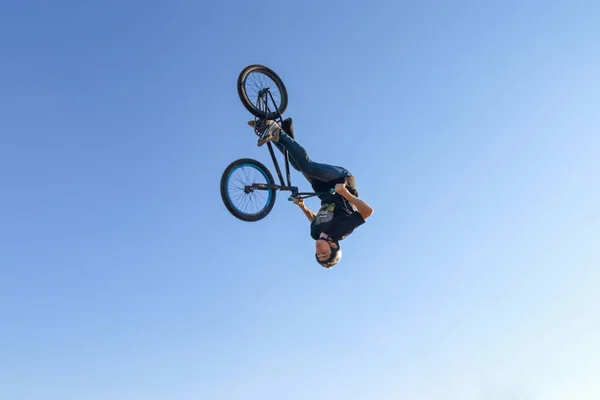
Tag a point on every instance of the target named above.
point(254, 202)
point(255, 84)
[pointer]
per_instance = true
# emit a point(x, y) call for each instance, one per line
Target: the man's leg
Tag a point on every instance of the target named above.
point(293, 162)
point(303, 163)
point(317, 174)
point(315, 183)
point(298, 156)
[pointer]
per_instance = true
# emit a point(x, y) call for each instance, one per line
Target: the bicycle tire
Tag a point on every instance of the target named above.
point(246, 100)
point(229, 203)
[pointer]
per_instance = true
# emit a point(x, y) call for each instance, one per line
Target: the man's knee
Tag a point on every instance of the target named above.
point(351, 185)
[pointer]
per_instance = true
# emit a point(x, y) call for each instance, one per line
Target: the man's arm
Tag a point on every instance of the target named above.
point(363, 208)
point(309, 214)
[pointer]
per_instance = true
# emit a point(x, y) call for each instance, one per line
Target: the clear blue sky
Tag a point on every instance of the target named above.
point(473, 129)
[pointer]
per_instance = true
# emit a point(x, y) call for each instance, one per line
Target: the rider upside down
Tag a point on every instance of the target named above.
point(339, 213)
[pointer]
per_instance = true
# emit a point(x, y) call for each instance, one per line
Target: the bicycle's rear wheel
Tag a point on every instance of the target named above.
point(253, 83)
point(239, 193)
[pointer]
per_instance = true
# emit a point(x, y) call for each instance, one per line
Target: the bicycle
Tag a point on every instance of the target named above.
point(270, 104)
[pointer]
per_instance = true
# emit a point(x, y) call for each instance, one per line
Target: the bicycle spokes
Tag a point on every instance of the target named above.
point(248, 189)
point(263, 92)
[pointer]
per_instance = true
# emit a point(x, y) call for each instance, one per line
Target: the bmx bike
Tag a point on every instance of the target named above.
point(248, 189)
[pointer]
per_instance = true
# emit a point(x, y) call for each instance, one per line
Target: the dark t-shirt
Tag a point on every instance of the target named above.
point(336, 218)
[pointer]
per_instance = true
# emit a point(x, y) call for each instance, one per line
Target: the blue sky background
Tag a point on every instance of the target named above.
point(473, 130)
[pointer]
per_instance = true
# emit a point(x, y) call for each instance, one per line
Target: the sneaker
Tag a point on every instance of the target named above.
point(271, 133)
point(258, 125)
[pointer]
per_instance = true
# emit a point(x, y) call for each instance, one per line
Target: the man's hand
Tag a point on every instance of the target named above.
point(340, 188)
point(364, 209)
point(298, 202)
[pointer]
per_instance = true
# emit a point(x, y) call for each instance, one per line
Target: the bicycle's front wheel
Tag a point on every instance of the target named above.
point(262, 92)
point(244, 192)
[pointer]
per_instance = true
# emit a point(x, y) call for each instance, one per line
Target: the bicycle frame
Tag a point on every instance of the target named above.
point(263, 96)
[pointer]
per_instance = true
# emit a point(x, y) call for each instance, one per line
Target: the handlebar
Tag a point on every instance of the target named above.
point(331, 191)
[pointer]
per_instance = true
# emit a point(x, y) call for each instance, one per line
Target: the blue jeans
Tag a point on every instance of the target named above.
point(322, 177)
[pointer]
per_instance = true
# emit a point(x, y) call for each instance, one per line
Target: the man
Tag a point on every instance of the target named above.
point(340, 213)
